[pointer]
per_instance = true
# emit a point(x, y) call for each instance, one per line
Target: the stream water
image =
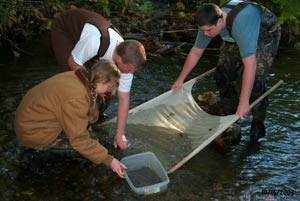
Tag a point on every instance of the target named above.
point(268, 171)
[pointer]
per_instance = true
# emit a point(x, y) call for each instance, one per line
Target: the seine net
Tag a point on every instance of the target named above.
point(173, 127)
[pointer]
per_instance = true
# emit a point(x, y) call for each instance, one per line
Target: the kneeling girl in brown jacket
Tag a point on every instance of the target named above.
point(67, 102)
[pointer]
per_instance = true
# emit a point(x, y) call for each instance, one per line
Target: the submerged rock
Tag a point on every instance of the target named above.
point(210, 103)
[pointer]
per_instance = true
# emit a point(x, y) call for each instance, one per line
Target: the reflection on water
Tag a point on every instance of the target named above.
point(244, 173)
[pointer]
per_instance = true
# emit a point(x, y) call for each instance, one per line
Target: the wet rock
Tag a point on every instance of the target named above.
point(210, 103)
point(170, 48)
point(99, 195)
point(231, 136)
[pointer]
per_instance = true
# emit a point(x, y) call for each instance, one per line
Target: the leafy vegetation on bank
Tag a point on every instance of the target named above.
point(23, 19)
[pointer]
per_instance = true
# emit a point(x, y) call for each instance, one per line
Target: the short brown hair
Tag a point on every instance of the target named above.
point(132, 52)
point(208, 14)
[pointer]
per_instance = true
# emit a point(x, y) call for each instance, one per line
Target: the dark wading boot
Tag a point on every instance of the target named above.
point(102, 118)
point(257, 131)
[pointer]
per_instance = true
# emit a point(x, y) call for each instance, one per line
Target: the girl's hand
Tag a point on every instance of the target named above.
point(117, 167)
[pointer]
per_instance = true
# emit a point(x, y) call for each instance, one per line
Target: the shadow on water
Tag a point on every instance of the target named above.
point(243, 173)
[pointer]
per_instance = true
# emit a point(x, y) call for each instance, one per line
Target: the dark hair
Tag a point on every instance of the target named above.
point(132, 52)
point(208, 14)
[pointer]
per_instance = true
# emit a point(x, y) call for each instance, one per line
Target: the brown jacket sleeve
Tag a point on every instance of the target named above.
point(74, 123)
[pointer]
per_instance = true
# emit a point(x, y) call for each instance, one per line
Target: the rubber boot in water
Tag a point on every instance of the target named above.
point(257, 131)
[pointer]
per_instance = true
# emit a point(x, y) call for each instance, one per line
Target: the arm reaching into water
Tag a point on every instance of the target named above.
point(123, 107)
point(190, 62)
point(117, 167)
point(247, 85)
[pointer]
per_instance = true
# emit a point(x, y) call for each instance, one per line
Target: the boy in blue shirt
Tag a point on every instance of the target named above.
point(251, 35)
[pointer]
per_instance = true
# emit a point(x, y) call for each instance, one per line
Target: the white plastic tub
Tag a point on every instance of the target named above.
point(145, 174)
